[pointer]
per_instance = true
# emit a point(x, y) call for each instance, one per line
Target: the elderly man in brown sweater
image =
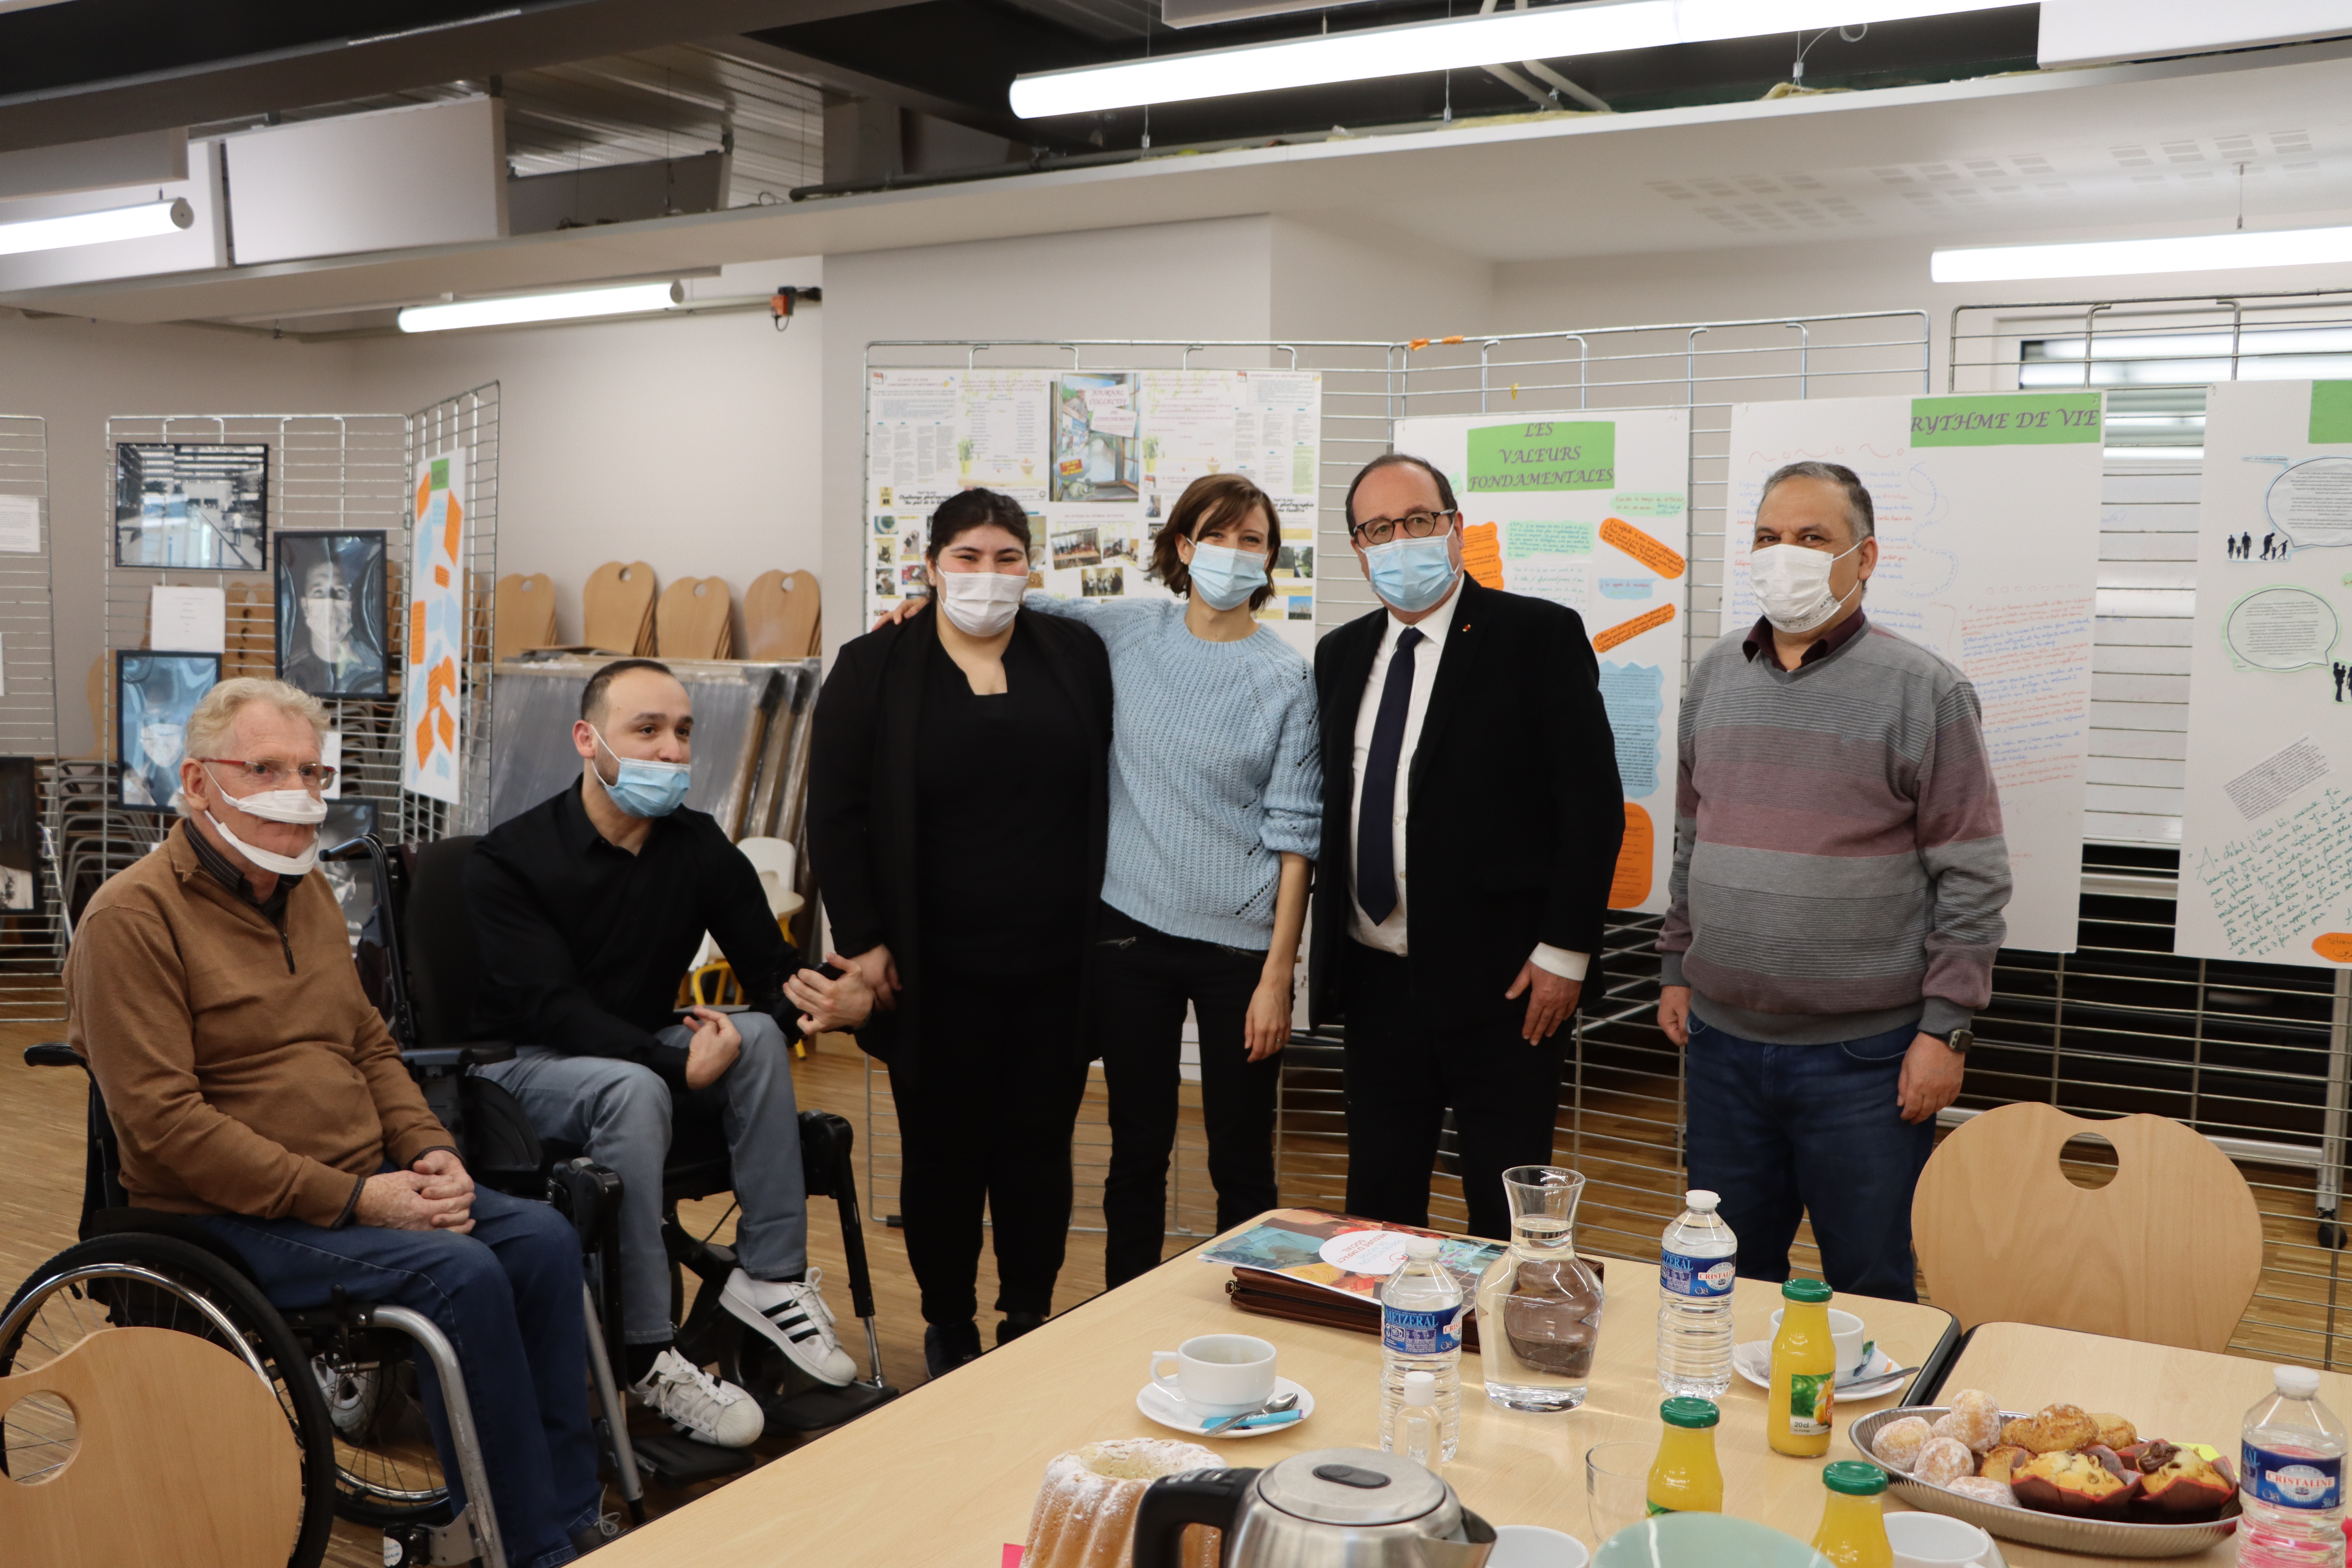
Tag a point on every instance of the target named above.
point(251, 1083)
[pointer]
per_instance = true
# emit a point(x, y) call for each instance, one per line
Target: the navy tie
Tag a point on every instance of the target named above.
point(1376, 888)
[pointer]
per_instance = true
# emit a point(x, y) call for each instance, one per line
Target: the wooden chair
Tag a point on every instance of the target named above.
point(693, 618)
point(2169, 1252)
point(525, 614)
point(180, 1454)
point(779, 615)
point(618, 608)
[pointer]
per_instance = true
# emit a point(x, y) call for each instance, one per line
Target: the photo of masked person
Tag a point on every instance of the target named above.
point(154, 694)
point(330, 613)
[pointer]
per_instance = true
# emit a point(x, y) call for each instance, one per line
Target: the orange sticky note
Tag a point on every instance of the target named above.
point(416, 631)
point(2335, 946)
point(1649, 552)
point(448, 727)
point(457, 514)
point(424, 738)
point(441, 576)
point(424, 497)
point(1625, 631)
point(1631, 885)
point(1482, 553)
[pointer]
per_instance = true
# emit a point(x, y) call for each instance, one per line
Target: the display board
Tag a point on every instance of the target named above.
point(436, 630)
point(1988, 523)
point(1097, 457)
point(1592, 511)
point(2266, 824)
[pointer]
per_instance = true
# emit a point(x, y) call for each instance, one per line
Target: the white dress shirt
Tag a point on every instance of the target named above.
point(1389, 935)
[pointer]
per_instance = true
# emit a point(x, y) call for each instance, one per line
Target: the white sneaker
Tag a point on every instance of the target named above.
point(794, 1315)
point(698, 1405)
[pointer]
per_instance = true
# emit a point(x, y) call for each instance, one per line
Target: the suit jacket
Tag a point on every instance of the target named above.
point(1516, 813)
point(862, 798)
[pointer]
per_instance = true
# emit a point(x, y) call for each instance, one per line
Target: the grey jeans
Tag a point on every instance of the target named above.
point(621, 1111)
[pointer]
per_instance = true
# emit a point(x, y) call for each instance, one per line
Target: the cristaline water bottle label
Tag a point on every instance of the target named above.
point(1411, 1333)
point(1697, 1276)
point(2292, 1480)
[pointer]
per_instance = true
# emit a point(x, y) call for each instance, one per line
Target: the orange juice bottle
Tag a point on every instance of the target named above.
point(1854, 1523)
point(1804, 1372)
point(1685, 1479)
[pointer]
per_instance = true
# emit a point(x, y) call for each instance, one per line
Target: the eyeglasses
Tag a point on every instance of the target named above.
point(1413, 525)
point(276, 775)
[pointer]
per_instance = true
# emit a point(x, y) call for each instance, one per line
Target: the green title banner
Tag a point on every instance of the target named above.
point(2031, 419)
point(2331, 411)
point(1544, 455)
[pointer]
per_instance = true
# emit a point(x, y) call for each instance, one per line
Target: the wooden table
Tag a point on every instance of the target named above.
point(947, 1475)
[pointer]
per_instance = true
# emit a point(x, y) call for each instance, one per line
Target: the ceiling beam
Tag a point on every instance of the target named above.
point(857, 84)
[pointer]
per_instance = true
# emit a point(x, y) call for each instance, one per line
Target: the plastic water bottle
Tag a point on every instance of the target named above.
point(2290, 1477)
point(1695, 1275)
point(1416, 1433)
point(1420, 1330)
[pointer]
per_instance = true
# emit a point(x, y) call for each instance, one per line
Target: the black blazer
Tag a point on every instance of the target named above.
point(1517, 811)
point(861, 802)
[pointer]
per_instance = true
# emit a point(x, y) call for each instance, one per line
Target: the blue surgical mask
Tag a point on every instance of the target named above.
point(1224, 577)
point(1412, 574)
point(644, 788)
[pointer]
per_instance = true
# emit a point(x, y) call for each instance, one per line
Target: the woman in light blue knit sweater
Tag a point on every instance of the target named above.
point(1217, 812)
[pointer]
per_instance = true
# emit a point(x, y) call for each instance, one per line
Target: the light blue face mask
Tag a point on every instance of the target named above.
point(1410, 573)
point(1224, 577)
point(644, 788)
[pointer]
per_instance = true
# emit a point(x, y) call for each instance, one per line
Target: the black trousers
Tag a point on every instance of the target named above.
point(990, 1126)
point(1408, 1060)
point(1143, 978)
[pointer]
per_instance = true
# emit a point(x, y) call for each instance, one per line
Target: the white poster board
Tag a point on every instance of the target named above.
point(433, 719)
point(1097, 457)
point(1988, 523)
point(1589, 510)
point(2266, 825)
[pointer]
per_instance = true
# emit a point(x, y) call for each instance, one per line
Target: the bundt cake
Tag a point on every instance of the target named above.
point(1085, 1516)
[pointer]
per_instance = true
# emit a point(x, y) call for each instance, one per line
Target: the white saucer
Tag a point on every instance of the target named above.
point(1753, 1361)
point(1170, 1411)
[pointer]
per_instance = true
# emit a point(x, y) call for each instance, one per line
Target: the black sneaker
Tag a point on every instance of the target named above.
point(947, 1347)
point(1016, 1324)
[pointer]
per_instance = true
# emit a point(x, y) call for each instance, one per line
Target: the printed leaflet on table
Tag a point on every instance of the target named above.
point(1342, 1253)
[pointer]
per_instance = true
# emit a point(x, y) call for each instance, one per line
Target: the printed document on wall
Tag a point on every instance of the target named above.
point(1589, 509)
point(1988, 528)
point(433, 707)
point(2266, 825)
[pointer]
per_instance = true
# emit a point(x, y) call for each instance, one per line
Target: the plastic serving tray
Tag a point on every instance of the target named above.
point(2097, 1537)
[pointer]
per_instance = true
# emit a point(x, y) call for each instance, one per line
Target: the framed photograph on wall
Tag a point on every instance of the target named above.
point(191, 504)
point(20, 835)
point(154, 694)
point(330, 613)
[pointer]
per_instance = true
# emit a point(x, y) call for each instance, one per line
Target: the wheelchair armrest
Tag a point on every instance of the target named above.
point(473, 1053)
point(51, 1054)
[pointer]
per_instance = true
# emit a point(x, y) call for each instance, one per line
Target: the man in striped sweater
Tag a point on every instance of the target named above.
point(1836, 900)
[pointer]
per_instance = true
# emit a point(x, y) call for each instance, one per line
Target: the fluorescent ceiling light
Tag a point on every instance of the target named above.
point(634, 299)
point(2114, 257)
point(141, 222)
point(1548, 32)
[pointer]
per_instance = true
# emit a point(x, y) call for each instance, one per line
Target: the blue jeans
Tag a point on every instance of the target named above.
point(1781, 1131)
point(508, 1296)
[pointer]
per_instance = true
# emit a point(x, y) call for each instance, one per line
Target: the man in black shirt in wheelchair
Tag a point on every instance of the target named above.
point(587, 908)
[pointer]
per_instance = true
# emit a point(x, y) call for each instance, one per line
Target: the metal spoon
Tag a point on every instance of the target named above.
point(1273, 1406)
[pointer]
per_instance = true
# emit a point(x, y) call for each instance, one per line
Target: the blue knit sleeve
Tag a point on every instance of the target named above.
point(1113, 620)
point(1294, 792)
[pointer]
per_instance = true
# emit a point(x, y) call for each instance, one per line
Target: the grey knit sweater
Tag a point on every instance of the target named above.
point(1838, 866)
point(1214, 770)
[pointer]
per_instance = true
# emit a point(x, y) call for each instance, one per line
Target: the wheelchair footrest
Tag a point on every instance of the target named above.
point(680, 1461)
point(814, 1409)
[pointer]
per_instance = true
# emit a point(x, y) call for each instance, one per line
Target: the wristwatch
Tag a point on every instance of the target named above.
point(1960, 1039)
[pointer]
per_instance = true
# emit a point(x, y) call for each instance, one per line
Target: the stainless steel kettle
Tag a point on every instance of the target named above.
point(1335, 1508)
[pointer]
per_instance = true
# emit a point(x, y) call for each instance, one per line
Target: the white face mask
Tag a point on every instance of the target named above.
point(297, 808)
point(1792, 584)
point(982, 604)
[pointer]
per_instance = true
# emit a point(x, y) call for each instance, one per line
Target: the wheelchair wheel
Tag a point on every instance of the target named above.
point(133, 1281)
point(387, 1471)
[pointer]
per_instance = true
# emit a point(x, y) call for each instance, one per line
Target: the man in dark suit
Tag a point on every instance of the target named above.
point(1463, 733)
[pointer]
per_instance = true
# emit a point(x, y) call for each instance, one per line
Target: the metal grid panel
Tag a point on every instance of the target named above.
point(32, 943)
point(468, 423)
point(2255, 1055)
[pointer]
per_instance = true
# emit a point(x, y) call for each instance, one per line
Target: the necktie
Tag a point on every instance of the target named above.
point(1376, 888)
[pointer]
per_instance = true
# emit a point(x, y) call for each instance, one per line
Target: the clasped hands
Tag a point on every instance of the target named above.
point(434, 1193)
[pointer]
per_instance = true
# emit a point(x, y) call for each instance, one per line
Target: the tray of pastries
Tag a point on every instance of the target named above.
point(2060, 1477)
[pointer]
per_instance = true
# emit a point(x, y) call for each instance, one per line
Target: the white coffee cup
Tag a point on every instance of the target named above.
point(1217, 1374)
point(1934, 1540)
point(1845, 1333)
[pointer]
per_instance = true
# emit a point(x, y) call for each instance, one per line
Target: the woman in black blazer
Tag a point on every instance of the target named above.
point(957, 796)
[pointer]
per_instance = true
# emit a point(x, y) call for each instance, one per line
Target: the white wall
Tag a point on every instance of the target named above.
point(1342, 284)
point(1208, 279)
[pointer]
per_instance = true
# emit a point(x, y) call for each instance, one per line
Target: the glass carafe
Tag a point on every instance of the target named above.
point(1539, 1304)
